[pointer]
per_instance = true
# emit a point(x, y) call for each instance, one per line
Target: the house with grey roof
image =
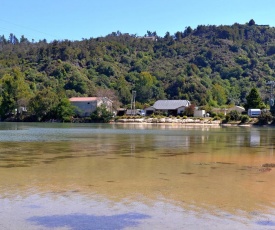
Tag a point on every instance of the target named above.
point(169, 107)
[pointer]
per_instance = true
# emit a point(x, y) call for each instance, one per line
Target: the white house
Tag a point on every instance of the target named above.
point(86, 105)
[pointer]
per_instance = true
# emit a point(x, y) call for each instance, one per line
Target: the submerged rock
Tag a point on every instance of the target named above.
point(265, 169)
point(269, 165)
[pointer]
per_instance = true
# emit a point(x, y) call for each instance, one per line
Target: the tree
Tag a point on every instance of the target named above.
point(13, 39)
point(265, 118)
point(15, 92)
point(219, 94)
point(270, 50)
point(253, 100)
point(123, 90)
point(144, 85)
point(65, 110)
point(23, 39)
point(110, 94)
point(102, 114)
point(188, 30)
point(43, 105)
point(251, 22)
point(189, 111)
point(234, 115)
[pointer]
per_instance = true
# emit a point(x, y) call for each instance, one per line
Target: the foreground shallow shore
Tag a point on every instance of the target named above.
point(136, 176)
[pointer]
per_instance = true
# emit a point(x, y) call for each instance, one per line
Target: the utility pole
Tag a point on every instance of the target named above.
point(271, 85)
point(133, 103)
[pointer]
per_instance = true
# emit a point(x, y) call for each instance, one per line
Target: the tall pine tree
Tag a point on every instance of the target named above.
point(253, 100)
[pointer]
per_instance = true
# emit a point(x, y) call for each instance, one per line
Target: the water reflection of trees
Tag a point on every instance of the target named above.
point(188, 139)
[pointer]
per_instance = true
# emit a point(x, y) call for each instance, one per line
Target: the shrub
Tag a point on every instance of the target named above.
point(265, 118)
point(117, 118)
point(244, 118)
point(234, 115)
point(213, 114)
point(227, 118)
point(221, 115)
point(101, 115)
point(216, 118)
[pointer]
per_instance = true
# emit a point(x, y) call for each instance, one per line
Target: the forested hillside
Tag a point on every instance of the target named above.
point(209, 65)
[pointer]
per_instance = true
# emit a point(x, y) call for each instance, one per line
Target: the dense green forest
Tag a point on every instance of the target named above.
point(209, 65)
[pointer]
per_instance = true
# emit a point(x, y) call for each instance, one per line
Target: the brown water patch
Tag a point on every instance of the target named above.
point(269, 165)
point(187, 173)
point(164, 179)
point(265, 169)
point(14, 166)
point(168, 155)
point(201, 164)
point(185, 153)
point(64, 157)
point(249, 167)
point(58, 192)
point(48, 161)
point(11, 160)
point(92, 155)
point(224, 163)
point(75, 191)
point(217, 148)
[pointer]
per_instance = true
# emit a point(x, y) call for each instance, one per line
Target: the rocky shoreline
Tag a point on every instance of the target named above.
point(169, 121)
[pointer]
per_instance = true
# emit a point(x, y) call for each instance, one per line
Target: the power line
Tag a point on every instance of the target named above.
point(28, 28)
point(14, 32)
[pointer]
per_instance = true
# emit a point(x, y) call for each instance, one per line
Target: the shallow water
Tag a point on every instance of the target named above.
point(84, 176)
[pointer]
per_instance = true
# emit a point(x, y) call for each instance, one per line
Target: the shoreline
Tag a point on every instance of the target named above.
point(185, 122)
point(192, 124)
point(167, 121)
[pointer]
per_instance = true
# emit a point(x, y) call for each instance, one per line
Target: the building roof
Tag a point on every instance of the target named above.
point(79, 99)
point(85, 99)
point(170, 104)
point(236, 107)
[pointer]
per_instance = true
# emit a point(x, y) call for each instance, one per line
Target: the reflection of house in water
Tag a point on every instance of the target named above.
point(172, 142)
point(255, 138)
point(240, 139)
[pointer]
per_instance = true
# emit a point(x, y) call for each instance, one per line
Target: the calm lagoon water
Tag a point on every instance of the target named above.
point(126, 176)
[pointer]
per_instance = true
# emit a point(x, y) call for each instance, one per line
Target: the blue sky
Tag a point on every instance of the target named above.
point(77, 19)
